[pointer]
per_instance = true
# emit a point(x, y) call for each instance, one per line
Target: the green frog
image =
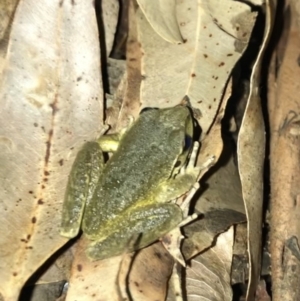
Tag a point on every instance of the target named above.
point(128, 203)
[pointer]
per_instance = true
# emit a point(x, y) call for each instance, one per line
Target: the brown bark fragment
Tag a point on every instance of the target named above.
point(284, 110)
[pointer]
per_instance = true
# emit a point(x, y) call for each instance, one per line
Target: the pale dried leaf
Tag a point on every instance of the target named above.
point(216, 34)
point(110, 14)
point(131, 100)
point(161, 14)
point(150, 272)
point(50, 94)
point(7, 10)
point(220, 203)
point(209, 275)
point(251, 151)
point(92, 280)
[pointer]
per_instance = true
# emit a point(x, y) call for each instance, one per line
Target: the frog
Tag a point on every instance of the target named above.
point(128, 202)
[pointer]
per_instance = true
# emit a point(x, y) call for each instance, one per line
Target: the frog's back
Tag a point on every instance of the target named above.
point(144, 158)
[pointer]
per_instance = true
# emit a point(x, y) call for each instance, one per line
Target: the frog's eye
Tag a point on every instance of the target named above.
point(147, 109)
point(188, 142)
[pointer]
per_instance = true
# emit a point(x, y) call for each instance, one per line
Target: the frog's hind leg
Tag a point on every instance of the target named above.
point(82, 181)
point(136, 230)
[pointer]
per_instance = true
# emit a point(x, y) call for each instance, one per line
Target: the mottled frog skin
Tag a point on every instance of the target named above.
point(125, 204)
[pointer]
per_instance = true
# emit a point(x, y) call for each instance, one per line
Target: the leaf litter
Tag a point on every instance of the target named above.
point(52, 94)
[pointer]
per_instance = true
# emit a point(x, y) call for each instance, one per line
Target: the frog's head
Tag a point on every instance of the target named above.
point(180, 122)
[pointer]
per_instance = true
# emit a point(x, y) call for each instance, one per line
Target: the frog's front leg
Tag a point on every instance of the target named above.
point(136, 230)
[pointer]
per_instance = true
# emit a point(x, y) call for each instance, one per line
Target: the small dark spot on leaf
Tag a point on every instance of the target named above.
point(33, 220)
point(193, 75)
point(205, 55)
point(182, 23)
point(79, 78)
point(30, 191)
point(45, 179)
point(61, 2)
point(28, 236)
point(229, 54)
point(210, 35)
point(184, 40)
point(136, 283)
point(79, 267)
point(204, 27)
point(209, 107)
point(35, 124)
point(244, 34)
point(221, 64)
point(40, 202)
point(43, 186)
point(15, 274)
point(143, 77)
point(216, 77)
point(132, 59)
point(23, 240)
point(215, 99)
point(46, 173)
point(158, 255)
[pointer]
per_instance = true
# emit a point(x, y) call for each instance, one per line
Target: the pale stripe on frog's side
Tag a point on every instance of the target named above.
point(131, 194)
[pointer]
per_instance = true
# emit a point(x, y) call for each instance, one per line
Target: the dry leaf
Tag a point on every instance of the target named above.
point(90, 280)
point(200, 67)
point(220, 204)
point(209, 275)
point(110, 14)
point(161, 14)
point(7, 10)
point(251, 152)
point(50, 104)
point(151, 270)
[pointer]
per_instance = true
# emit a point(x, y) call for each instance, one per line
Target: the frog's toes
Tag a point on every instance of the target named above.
point(194, 153)
point(208, 163)
point(190, 168)
point(185, 205)
point(131, 120)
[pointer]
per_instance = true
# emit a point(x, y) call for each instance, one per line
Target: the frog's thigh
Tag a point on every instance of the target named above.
point(137, 230)
point(81, 184)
